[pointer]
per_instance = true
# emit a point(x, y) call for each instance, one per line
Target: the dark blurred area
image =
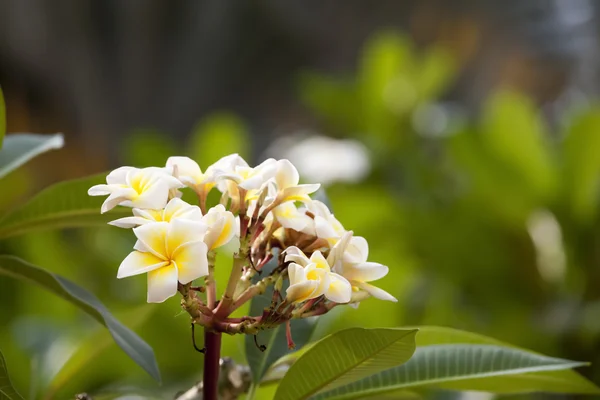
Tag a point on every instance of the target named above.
point(461, 138)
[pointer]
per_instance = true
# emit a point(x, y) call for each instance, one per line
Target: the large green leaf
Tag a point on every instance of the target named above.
point(92, 347)
point(2, 118)
point(131, 343)
point(19, 148)
point(470, 367)
point(63, 205)
point(452, 359)
point(7, 391)
point(345, 357)
point(274, 339)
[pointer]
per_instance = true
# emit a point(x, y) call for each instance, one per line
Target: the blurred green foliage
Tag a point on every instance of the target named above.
point(452, 206)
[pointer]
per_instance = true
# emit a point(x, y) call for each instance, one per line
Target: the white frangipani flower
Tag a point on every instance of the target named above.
point(349, 258)
point(326, 225)
point(222, 227)
point(176, 208)
point(312, 277)
point(146, 188)
point(286, 180)
point(170, 253)
point(191, 175)
point(249, 178)
point(290, 217)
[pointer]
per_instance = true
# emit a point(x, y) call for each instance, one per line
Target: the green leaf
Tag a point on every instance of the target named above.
point(7, 391)
point(274, 339)
point(514, 134)
point(582, 165)
point(436, 71)
point(131, 343)
point(453, 359)
point(63, 205)
point(2, 118)
point(471, 367)
point(91, 348)
point(344, 357)
point(19, 148)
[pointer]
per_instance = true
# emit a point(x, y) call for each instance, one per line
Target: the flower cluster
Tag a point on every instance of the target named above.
point(319, 263)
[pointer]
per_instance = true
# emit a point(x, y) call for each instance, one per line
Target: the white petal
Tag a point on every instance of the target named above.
point(300, 192)
point(100, 190)
point(117, 197)
point(187, 169)
point(129, 222)
point(365, 272)
point(324, 229)
point(296, 273)
point(138, 263)
point(154, 197)
point(119, 176)
point(153, 237)
point(287, 175)
point(375, 291)
point(296, 255)
point(319, 261)
point(162, 283)
point(339, 289)
point(253, 182)
point(182, 231)
point(357, 250)
point(191, 261)
point(302, 291)
point(177, 208)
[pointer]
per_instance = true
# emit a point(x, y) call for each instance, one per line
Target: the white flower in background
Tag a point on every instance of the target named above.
point(169, 252)
point(176, 208)
point(324, 159)
point(222, 227)
point(146, 188)
point(312, 277)
point(286, 181)
point(349, 259)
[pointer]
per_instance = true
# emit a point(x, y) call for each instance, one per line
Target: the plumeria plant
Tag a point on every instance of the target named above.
point(293, 262)
point(270, 216)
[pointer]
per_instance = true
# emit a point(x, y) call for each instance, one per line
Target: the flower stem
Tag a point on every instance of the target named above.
point(239, 261)
point(211, 288)
point(212, 343)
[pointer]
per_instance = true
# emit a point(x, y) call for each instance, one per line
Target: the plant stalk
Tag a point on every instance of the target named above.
point(212, 343)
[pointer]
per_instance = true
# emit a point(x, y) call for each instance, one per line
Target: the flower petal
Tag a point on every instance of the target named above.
point(191, 261)
point(296, 255)
point(129, 222)
point(100, 190)
point(119, 196)
point(188, 171)
point(357, 250)
point(182, 231)
point(339, 289)
point(365, 272)
point(300, 192)
point(302, 291)
point(119, 176)
point(375, 291)
point(319, 261)
point(296, 273)
point(153, 236)
point(138, 263)
point(162, 283)
point(286, 175)
point(324, 229)
point(154, 197)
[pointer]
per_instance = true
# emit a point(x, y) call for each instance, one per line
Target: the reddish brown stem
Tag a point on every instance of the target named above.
point(212, 344)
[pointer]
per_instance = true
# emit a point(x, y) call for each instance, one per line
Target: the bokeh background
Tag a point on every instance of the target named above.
point(461, 138)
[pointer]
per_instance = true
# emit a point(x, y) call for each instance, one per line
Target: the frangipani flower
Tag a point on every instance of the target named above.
point(176, 208)
point(221, 227)
point(190, 174)
point(169, 252)
point(349, 258)
point(286, 180)
point(291, 217)
point(312, 277)
point(326, 225)
point(133, 187)
point(249, 178)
